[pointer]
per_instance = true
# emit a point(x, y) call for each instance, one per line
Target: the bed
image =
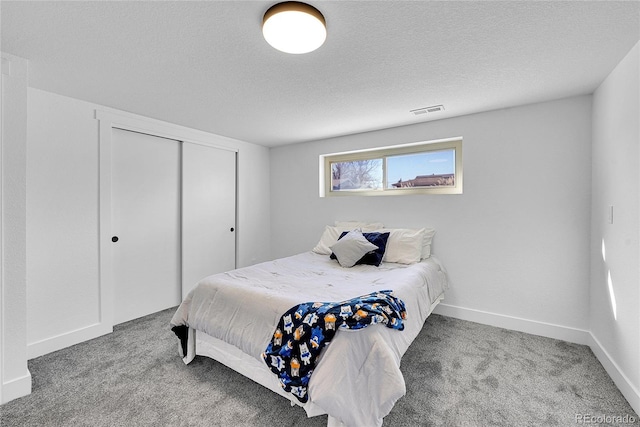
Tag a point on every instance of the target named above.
point(231, 317)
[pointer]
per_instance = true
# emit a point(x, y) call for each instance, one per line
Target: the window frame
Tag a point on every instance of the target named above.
point(326, 189)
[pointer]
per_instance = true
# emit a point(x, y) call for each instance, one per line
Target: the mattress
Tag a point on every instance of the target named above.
point(357, 379)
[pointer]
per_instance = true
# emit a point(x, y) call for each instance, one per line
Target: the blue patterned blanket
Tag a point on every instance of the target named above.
point(304, 330)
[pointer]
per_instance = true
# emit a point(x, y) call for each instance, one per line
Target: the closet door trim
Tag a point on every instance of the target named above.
point(107, 120)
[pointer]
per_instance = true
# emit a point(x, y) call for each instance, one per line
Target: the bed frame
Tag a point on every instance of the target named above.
point(250, 367)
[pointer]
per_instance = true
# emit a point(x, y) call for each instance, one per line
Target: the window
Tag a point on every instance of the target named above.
point(421, 168)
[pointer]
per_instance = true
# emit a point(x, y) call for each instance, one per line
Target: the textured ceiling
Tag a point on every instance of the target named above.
point(205, 64)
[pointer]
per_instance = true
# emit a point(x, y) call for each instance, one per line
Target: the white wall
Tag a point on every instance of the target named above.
point(516, 243)
point(15, 379)
point(62, 217)
point(63, 297)
point(615, 274)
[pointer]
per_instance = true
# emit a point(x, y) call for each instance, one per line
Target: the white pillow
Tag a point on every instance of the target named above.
point(404, 245)
point(331, 234)
point(426, 243)
point(364, 226)
point(329, 237)
point(351, 248)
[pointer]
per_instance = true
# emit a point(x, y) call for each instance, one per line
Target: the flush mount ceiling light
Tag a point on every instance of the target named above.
point(294, 27)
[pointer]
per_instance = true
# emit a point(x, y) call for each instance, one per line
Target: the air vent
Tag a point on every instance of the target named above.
point(425, 110)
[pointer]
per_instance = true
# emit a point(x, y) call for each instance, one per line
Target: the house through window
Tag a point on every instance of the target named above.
point(421, 168)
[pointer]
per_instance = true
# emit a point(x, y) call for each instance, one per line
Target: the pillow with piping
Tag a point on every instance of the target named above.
point(351, 248)
point(374, 257)
point(364, 226)
point(329, 237)
point(404, 245)
point(426, 243)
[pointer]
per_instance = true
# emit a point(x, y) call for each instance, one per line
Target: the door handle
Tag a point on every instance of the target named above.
point(232, 229)
point(114, 239)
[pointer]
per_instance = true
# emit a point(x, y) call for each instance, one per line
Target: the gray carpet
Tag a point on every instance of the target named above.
point(458, 374)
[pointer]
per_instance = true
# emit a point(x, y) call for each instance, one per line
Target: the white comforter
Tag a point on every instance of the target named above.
point(357, 379)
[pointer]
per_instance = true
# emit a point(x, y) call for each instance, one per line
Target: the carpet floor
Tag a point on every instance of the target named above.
point(458, 373)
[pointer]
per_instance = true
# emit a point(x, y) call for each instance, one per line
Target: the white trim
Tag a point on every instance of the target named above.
point(136, 123)
point(17, 387)
point(6, 66)
point(6, 69)
point(381, 154)
point(391, 147)
point(21, 385)
point(626, 387)
point(67, 339)
point(565, 333)
point(107, 120)
point(105, 279)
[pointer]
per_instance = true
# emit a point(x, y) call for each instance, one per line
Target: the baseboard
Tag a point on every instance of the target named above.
point(549, 330)
point(534, 327)
point(58, 342)
point(623, 383)
point(16, 388)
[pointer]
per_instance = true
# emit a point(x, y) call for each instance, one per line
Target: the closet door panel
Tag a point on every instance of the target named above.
point(208, 212)
point(146, 223)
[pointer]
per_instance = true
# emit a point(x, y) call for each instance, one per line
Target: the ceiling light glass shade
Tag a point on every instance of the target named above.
point(294, 27)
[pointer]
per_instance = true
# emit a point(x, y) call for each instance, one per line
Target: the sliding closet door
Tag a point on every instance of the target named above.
point(208, 212)
point(145, 224)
